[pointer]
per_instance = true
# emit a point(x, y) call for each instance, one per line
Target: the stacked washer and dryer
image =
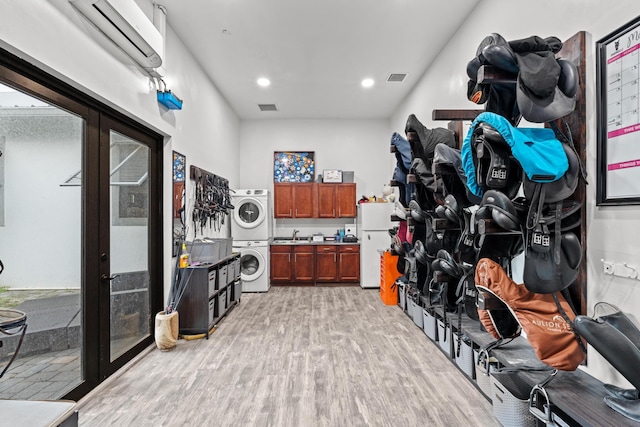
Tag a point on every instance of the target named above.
point(251, 230)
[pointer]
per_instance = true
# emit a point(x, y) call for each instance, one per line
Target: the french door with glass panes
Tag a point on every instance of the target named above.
point(80, 234)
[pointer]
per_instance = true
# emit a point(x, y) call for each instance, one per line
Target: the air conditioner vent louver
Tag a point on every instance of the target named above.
point(267, 107)
point(396, 77)
point(127, 26)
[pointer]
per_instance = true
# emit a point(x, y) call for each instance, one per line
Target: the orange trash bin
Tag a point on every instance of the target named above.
point(388, 275)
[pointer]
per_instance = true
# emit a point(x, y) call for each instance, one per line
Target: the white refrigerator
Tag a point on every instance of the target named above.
point(374, 222)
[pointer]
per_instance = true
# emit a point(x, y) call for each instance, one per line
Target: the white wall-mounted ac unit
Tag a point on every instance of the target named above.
point(127, 25)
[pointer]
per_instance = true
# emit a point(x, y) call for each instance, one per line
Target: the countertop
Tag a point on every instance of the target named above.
point(310, 242)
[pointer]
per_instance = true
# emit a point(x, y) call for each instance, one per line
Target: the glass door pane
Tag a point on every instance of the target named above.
point(41, 152)
point(129, 243)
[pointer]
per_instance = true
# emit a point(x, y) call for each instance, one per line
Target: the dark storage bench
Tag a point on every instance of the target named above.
point(576, 397)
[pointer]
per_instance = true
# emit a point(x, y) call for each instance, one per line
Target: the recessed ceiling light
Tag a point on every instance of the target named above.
point(263, 81)
point(367, 83)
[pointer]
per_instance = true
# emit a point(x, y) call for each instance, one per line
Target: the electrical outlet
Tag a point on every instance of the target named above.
point(607, 267)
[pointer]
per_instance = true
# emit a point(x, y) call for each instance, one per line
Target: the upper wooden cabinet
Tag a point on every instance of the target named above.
point(327, 200)
point(346, 200)
point(337, 200)
point(293, 200)
point(314, 200)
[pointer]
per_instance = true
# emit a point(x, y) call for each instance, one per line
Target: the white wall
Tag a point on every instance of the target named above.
point(361, 146)
point(42, 218)
point(53, 36)
point(612, 231)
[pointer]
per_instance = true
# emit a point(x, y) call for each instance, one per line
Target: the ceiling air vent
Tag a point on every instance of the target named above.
point(396, 77)
point(267, 107)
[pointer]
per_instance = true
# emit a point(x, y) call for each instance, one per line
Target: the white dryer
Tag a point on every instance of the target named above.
point(254, 265)
point(252, 217)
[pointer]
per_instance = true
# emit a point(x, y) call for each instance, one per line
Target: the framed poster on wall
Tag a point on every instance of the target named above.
point(293, 166)
point(618, 92)
point(179, 191)
point(332, 175)
point(179, 179)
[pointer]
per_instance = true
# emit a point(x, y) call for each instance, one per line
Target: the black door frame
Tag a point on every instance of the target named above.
point(108, 123)
point(39, 84)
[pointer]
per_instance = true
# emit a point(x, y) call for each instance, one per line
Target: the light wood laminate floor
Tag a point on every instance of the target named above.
point(296, 356)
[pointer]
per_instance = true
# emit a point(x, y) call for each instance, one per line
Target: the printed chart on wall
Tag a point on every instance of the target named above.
point(619, 70)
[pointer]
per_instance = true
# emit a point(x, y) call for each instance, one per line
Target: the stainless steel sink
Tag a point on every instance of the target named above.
point(289, 241)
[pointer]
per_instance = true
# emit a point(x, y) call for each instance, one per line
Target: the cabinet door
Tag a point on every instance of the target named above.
point(283, 200)
point(326, 263)
point(303, 264)
point(303, 200)
point(194, 304)
point(346, 200)
point(327, 200)
point(280, 264)
point(349, 263)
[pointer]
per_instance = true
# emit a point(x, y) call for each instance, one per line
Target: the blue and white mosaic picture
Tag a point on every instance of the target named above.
point(293, 166)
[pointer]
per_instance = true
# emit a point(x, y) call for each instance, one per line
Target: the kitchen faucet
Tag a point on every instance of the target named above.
point(295, 232)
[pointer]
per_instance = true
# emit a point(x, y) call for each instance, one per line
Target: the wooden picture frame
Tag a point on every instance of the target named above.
point(293, 166)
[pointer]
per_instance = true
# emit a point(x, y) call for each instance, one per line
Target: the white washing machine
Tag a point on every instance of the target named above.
point(254, 265)
point(252, 217)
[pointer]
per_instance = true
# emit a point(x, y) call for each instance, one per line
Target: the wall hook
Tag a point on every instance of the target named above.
point(634, 271)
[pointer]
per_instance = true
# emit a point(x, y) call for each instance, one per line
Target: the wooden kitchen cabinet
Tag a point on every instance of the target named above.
point(349, 263)
point(346, 200)
point(336, 200)
point(293, 200)
point(280, 264)
point(327, 263)
point(326, 200)
point(303, 264)
point(299, 200)
point(292, 265)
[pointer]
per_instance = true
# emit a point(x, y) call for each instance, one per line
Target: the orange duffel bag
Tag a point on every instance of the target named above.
point(550, 335)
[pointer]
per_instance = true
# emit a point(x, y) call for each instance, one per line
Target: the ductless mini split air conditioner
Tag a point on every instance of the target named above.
point(127, 25)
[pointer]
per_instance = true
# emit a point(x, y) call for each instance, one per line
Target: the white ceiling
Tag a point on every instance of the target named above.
point(315, 52)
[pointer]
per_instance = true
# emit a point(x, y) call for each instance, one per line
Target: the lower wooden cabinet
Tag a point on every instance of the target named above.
point(280, 264)
point(349, 263)
point(292, 265)
point(326, 263)
point(312, 264)
point(303, 265)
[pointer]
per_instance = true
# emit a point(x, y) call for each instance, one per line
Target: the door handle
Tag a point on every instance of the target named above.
point(104, 277)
